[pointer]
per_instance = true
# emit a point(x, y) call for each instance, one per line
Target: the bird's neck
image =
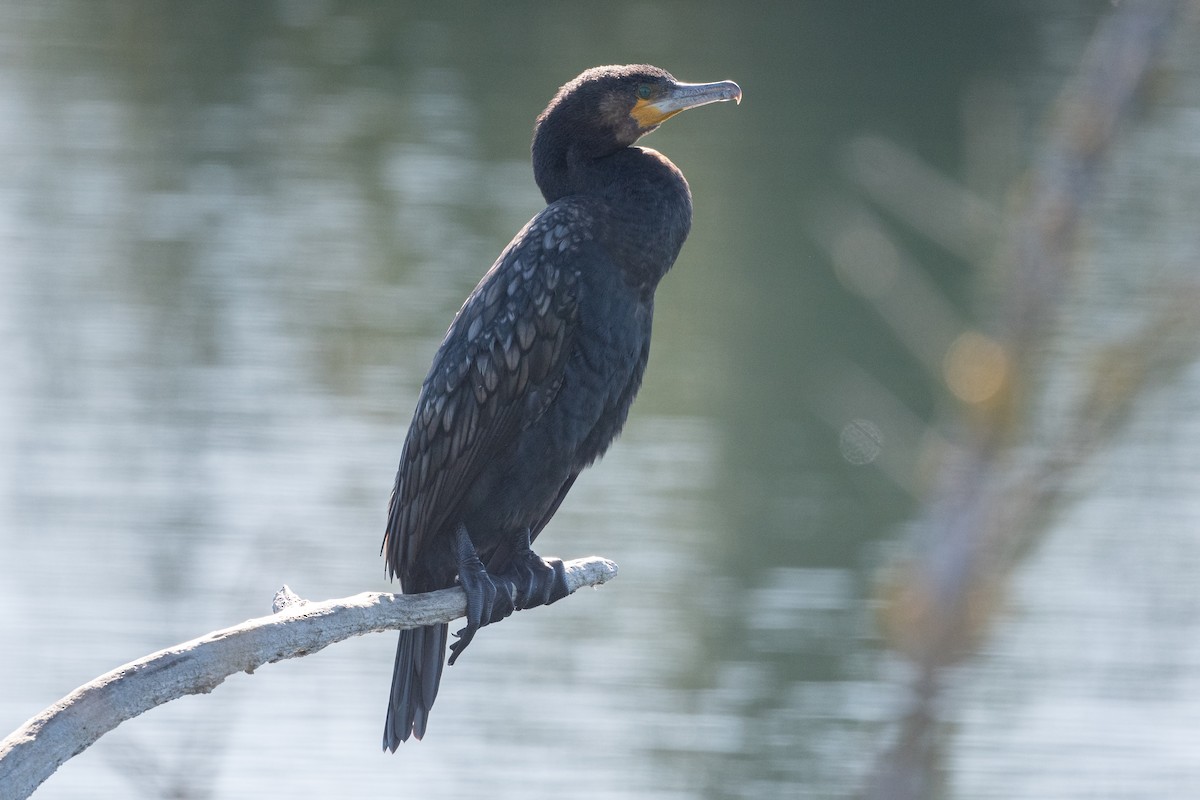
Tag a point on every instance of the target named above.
point(647, 203)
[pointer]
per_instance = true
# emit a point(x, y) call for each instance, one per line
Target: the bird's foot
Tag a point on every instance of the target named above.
point(535, 581)
point(487, 600)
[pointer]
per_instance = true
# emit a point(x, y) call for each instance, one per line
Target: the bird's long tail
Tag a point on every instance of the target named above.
point(420, 654)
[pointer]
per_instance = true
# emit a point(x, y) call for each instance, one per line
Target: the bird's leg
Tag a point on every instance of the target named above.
point(486, 601)
point(536, 581)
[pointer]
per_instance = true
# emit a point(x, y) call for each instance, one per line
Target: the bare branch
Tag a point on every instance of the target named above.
point(993, 500)
point(34, 751)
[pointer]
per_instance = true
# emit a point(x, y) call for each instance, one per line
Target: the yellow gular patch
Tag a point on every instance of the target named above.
point(647, 114)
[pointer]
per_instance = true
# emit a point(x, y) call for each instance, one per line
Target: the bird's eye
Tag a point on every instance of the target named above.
point(644, 91)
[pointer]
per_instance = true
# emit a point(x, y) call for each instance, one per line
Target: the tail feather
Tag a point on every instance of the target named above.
point(420, 654)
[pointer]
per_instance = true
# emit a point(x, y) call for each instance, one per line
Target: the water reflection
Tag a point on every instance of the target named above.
point(233, 238)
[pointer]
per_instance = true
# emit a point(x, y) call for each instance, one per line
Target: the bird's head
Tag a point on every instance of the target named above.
point(608, 108)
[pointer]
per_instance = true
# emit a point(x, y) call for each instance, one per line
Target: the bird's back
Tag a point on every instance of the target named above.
point(492, 439)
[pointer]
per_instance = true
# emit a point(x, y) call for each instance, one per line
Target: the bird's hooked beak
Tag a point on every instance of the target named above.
point(680, 97)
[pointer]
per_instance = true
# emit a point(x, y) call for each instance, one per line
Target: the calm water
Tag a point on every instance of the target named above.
point(232, 236)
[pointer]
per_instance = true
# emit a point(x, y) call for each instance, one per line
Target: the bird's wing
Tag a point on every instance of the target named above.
point(496, 371)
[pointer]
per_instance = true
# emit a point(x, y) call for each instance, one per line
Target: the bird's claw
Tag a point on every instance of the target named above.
point(529, 581)
point(488, 600)
point(535, 581)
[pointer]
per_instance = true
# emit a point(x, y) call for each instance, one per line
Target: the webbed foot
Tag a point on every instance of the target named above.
point(536, 581)
point(488, 601)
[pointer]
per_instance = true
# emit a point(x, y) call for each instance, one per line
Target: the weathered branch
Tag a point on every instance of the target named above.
point(34, 751)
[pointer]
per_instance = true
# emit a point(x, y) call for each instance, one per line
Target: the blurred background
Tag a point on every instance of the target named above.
point(908, 503)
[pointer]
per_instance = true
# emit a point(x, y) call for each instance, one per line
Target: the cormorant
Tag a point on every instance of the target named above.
point(537, 371)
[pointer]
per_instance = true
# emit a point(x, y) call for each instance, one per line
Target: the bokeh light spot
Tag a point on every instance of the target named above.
point(976, 367)
point(860, 441)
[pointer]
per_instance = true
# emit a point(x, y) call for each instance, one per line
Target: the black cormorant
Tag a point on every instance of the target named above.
point(535, 376)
